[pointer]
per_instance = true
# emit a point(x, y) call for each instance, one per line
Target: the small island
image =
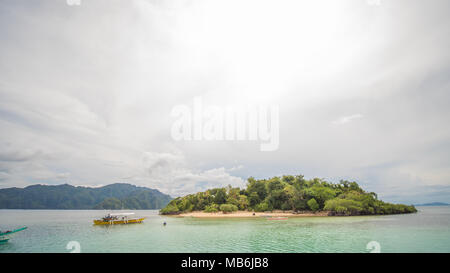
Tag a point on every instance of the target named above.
point(284, 196)
point(433, 204)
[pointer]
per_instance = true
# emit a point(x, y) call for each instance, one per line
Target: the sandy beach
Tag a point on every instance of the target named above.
point(249, 214)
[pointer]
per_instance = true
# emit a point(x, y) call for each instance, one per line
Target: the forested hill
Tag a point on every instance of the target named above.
point(289, 193)
point(433, 204)
point(114, 196)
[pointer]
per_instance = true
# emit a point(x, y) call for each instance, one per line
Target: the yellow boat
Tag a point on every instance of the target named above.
point(118, 219)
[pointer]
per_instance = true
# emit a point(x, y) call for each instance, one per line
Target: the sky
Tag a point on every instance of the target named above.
point(87, 92)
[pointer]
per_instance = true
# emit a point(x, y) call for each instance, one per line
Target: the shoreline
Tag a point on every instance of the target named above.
point(249, 214)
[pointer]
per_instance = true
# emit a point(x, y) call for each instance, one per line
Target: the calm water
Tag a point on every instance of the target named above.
point(51, 230)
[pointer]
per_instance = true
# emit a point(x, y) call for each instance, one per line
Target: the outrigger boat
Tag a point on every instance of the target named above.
point(5, 236)
point(118, 219)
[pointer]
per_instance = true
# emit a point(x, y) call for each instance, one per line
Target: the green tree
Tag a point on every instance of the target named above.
point(254, 199)
point(313, 205)
point(171, 208)
point(220, 196)
point(258, 187)
point(320, 193)
point(243, 202)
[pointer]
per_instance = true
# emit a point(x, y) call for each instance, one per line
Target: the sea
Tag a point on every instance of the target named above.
point(66, 231)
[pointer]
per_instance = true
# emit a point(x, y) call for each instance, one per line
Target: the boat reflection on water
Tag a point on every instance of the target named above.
point(118, 219)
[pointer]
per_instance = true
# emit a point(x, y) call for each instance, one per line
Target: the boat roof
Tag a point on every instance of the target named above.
point(121, 214)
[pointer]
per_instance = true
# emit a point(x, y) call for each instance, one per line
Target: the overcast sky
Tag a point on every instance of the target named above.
point(86, 92)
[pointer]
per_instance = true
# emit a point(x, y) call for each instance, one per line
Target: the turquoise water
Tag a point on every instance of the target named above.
point(51, 231)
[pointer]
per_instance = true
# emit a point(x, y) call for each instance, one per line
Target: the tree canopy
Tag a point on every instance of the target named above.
point(288, 193)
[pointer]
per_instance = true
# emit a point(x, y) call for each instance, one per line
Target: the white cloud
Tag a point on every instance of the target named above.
point(347, 119)
point(86, 92)
point(171, 173)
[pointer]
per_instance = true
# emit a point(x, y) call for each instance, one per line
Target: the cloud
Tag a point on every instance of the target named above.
point(18, 156)
point(171, 173)
point(86, 92)
point(347, 119)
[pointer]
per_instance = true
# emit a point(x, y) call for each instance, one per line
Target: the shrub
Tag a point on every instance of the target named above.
point(262, 207)
point(286, 206)
point(341, 209)
point(170, 209)
point(226, 208)
point(212, 208)
point(345, 206)
point(312, 204)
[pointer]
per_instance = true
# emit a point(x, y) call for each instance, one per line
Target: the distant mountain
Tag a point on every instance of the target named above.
point(433, 204)
point(114, 196)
